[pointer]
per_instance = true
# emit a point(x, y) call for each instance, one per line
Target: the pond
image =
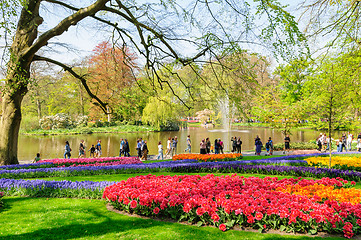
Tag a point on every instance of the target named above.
point(53, 146)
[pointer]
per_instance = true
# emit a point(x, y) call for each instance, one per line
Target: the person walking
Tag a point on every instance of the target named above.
point(239, 145)
point(269, 146)
point(344, 142)
point(216, 147)
point(121, 147)
point(160, 151)
point(349, 141)
point(287, 141)
point(144, 151)
point(139, 148)
point(92, 151)
point(220, 146)
point(208, 146)
point(99, 148)
point(234, 144)
point(169, 147)
point(319, 142)
point(67, 150)
point(203, 147)
point(258, 145)
point(189, 145)
point(81, 149)
point(126, 148)
point(174, 146)
point(255, 144)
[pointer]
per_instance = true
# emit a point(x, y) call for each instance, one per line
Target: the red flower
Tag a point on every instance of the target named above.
point(156, 210)
point(126, 201)
point(223, 227)
point(215, 217)
point(259, 216)
point(133, 204)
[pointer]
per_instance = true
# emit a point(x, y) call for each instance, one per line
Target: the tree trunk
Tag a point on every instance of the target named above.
point(9, 128)
point(38, 106)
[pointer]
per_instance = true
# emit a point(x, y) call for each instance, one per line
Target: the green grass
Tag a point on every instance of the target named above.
point(41, 218)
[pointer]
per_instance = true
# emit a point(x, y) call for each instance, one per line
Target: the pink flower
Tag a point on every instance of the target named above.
point(223, 227)
point(133, 204)
point(215, 217)
point(259, 216)
point(156, 210)
point(126, 201)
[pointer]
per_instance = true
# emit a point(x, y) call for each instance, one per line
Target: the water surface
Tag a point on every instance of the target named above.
point(53, 146)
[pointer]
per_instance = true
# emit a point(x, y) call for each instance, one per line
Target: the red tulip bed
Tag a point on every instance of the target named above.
point(86, 162)
point(253, 202)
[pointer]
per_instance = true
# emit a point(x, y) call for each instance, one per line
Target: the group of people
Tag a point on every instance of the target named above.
point(95, 151)
point(344, 143)
point(142, 149)
point(269, 145)
point(124, 148)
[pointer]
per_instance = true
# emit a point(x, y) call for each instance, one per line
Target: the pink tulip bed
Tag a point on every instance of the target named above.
point(86, 162)
point(292, 205)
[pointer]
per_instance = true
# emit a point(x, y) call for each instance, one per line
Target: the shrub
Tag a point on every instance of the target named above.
point(81, 121)
point(58, 121)
point(296, 146)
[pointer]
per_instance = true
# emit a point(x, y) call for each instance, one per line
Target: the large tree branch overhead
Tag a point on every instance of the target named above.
point(63, 26)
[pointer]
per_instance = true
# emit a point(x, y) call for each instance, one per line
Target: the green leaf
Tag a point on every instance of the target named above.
point(312, 231)
point(282, 228)
point(199, 224)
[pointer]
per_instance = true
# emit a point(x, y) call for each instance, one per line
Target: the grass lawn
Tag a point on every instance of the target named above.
point(41, 218)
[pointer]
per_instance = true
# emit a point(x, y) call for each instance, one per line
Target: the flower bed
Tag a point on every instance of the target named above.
point(234, 200)
point(26, 166)
point(322, 192)
point(91, 170)
point(41, 188)
point(209, 157)
point(351, 163)
point(191, 166)
point(236, 167)
point(61, 162)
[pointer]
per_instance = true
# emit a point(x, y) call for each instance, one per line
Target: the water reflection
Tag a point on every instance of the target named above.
point(53, 146)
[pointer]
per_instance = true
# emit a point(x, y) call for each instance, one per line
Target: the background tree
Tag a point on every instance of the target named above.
point(326, 95)
point(111, 70)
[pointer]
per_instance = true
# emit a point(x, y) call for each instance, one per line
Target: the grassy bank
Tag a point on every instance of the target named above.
point(89, 130)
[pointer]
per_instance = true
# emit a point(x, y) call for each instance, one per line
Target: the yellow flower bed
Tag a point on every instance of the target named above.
point(322, 193)
point(346, 161)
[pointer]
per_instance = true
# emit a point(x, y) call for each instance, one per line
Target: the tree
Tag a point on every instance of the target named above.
point(159, 112)
point(326, 94)
point(112, 75)
point(153, 29)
